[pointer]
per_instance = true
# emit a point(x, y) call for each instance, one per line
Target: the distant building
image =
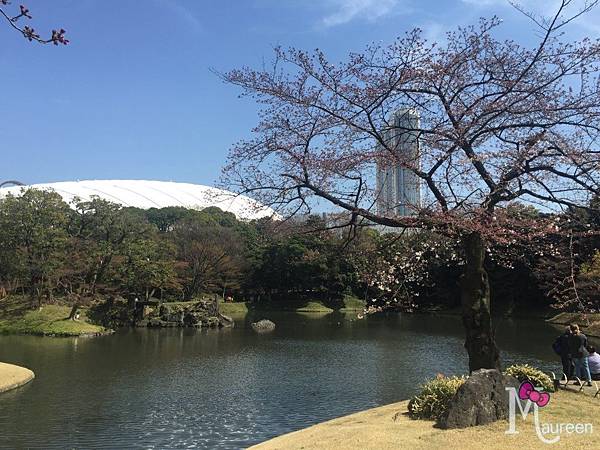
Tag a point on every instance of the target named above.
point(11, 182)
point(153, 194)
point(398, 188)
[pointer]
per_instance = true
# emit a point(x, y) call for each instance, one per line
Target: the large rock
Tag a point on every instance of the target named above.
point(226, 321)
point(480, 400)
point(192, 318)
point(212, 322)
point(156, 323)
point(186, 314)
point(263, 326)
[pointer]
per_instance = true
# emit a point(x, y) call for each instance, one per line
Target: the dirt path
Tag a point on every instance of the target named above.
point(12, 376)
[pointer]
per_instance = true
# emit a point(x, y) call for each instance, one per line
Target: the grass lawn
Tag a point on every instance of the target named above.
point(350, 304)
point(49, 320)
point(389, 427)
point(235, 308)
point(313, 306)
point(238, 308)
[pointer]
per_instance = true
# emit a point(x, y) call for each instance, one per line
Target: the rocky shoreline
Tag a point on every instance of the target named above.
point(200, 314)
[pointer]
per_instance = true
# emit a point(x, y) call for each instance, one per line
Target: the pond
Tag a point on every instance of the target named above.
point(181, 388)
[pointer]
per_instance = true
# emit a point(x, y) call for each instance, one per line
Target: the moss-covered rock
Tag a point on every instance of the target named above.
point(195, 314)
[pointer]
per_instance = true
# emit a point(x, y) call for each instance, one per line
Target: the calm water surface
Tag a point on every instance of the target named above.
point(180, 388)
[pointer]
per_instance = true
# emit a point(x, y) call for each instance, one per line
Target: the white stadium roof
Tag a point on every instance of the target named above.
point(153, 194)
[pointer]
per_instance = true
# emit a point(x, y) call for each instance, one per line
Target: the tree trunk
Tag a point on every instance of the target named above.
point(32, 293)
point(74, 309)
point(216, 305)
point(475, 298)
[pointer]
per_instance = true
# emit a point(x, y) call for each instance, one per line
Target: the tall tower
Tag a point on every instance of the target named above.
point(398, 188)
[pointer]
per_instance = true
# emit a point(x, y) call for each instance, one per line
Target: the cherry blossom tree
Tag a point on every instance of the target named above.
point(499, 122)
point(57, 37)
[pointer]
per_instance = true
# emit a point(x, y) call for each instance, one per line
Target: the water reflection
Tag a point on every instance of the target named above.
point(231, 388)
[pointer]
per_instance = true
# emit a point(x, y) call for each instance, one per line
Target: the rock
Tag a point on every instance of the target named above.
point(147, 311)
point(172, 317)
point(226, 321)
point(156, 323)
point(192, 318)
point(480, 400)
point(186, 314)
point(212, 322)
point(263, 326)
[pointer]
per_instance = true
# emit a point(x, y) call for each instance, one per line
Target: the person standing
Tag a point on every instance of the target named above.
point(561, 347)
point(579, 353)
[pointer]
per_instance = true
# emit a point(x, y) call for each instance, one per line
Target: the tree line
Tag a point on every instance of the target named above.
point(97, 249)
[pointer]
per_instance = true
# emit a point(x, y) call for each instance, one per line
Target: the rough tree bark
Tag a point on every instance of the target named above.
point(476, 314)
point(74, 309)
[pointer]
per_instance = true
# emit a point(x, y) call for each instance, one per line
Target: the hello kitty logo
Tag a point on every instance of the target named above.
point(528, 392)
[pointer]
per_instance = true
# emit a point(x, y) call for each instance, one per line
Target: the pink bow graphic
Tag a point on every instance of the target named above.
point(528, 392)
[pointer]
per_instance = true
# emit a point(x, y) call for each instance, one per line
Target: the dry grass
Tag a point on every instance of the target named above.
point(389, 427)
point(12, 376)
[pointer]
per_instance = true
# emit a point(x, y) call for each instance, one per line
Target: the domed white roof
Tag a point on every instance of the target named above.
point(153, 194)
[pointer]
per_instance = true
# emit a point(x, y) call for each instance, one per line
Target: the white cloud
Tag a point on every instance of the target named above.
point(349, 10)
point(183, 13)
point(434, 31)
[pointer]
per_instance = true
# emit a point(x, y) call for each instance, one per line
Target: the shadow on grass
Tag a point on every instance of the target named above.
point(13, 307)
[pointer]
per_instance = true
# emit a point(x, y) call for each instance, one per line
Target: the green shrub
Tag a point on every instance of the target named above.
point(434, 398)
point(111, 313)
point(525, 372)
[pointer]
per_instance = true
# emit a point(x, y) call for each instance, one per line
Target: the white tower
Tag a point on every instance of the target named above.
point(398, 188)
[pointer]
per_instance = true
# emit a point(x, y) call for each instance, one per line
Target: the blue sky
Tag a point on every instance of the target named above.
point(133, 95)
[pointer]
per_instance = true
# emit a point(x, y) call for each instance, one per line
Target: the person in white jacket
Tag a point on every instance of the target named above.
point(594, 363)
